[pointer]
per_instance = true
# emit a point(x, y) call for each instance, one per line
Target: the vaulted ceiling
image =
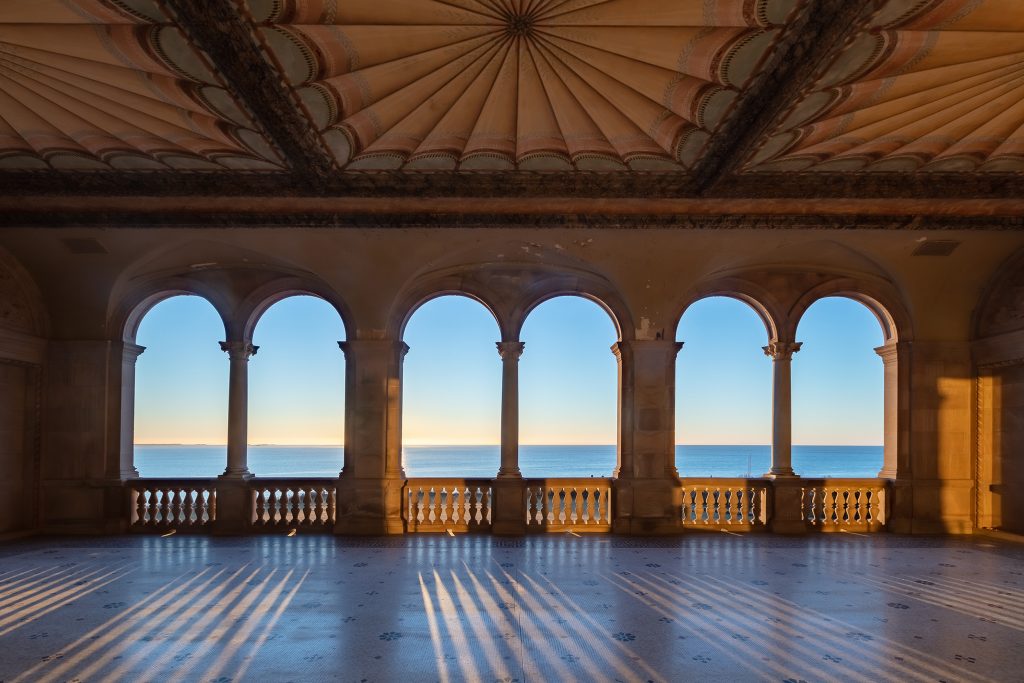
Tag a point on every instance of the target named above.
point(633, 99)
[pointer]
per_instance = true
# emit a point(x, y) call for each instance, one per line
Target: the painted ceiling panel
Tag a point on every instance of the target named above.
point(930, 86)
point(504, 84)
point(105, 84)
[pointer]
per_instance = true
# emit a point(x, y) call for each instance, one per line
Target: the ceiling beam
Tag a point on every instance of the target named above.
point(820, 30)
point(224, 33)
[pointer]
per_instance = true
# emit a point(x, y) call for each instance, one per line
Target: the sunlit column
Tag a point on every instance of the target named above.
point(129, 355)
point(510, 353)
point(239, 353)
point(781, 354)
point(889, 355)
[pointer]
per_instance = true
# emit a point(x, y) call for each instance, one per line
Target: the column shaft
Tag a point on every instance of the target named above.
point(238, 407)
point(781, 354)
point(129, 355)
point(510, 353)
point(889, 355)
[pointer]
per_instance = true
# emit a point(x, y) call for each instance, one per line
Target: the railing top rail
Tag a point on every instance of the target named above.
point(184, 482)
point(846, 481)
point(723, 481)
point(448, 481)
point(292, 481)
point(568, 481)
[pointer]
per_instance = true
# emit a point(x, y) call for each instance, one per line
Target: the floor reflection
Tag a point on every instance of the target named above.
point(546, 608)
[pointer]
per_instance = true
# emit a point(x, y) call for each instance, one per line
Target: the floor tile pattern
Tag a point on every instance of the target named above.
point(436, 608)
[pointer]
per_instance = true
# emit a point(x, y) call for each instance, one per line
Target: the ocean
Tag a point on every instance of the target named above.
point(176, 461)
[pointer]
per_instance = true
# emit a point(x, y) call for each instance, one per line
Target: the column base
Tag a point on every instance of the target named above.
point(509, 474)
point(781, 473)
point(244, 475)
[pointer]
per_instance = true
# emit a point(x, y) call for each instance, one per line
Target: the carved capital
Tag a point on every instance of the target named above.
point(781, 350)
point(239, 350)
point(510, 350)
point(351, 349)
point(131, 352)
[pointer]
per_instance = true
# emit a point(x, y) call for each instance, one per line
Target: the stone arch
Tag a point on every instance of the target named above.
point(760, 301)
point(21, 304)
point(883, 302)
point(260, 301)
point(453, 283)
point(583, 285)
point(1001, 306)
point(133, 307)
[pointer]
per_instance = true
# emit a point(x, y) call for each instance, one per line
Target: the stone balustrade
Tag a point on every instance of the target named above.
point(844, 504)
point(558, 504)
point(160, 505)
point(439, 504)
point(733, 504)
point(568, 504)
point(293, 504)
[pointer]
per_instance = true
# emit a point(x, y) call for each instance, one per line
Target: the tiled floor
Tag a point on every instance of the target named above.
point(702, 607)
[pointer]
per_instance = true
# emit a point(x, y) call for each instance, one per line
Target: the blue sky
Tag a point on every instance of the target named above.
point(453, 375)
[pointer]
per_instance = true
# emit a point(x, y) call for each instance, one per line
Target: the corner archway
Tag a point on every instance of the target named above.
point(181, 383)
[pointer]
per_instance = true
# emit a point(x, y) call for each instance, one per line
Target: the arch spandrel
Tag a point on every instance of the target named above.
point(552, 284)
point(465, 281)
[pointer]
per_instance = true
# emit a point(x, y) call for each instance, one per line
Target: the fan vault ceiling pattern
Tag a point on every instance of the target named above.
point(529, 84)
point(930, 86)
point(409, 99)
point(100, 85)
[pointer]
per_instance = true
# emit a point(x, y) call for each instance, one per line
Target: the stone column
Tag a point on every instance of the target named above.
point(129, 356)
point(647, 493)
point(370, 486)
point(238, 408)
point(508, 512)
point(889, 355)
point(781, 354)
point(510, 353)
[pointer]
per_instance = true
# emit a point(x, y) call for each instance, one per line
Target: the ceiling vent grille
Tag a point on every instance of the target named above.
point(83, 245)
point(936, 248)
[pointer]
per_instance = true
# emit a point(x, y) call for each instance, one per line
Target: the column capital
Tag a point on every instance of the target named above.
point(131, 352)
point(777, 350)
point(889, 353)
point(510, 350)
point(239, 350)
point(653, 345)
point(353, 346)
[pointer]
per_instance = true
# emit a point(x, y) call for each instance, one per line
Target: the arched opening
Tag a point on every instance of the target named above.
point(723, 391)
point(451, 390)
point(568, 400)
point(838, 391)
point(181, 385)
point(297, 390)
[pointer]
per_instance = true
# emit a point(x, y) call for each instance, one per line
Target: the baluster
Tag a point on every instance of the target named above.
point(262, 506)
point(212, 504)
point(690, 501)
point(869, 506)
point(739, 498)
point(809, 503)
point(487, 503)
point(186, 508)
point(419, 503)
point(447, 506)
point(856, 506)
point(704, 518)
point(571, 512)
point(478, 505)
point(166, 505)
point(142, 506)
point(586, 505)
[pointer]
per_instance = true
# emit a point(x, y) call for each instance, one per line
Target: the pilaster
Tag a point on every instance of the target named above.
point(647, 497)
point(370, 486)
